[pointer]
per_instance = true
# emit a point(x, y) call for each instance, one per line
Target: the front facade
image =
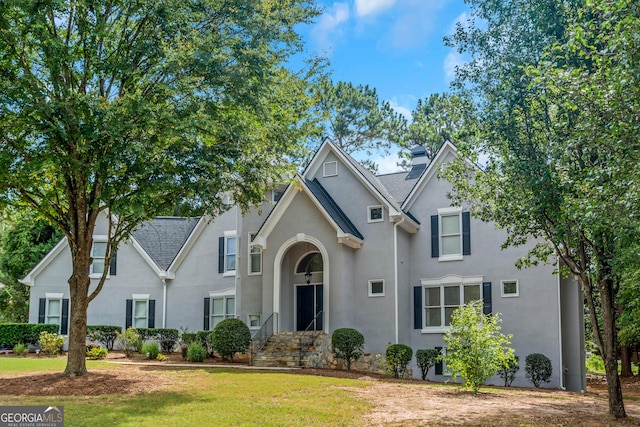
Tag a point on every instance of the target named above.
point(339, 247)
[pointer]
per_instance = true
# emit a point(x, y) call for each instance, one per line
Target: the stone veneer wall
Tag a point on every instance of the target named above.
point(323, 358)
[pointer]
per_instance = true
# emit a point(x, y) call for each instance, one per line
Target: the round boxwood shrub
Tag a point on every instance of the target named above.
point(229, 337)
point(398, 357)
point(538, 369)
point(196, 352)
point(348, 345)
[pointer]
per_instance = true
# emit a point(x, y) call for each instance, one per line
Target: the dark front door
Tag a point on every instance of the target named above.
point(309, 299)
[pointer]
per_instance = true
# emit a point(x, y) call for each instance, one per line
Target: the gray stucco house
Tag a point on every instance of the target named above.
point(339, 247)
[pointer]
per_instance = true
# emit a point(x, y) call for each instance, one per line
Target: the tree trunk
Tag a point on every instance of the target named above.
point(610, 354)
point(78, 289)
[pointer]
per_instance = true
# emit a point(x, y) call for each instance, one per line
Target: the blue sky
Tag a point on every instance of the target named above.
point(395, 46)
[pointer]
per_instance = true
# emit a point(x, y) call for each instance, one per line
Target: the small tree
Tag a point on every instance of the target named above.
point(398, 357)
point(230, 336)
point(128, 340)
point(508, 372)
point(476, 349)
point(348, 345)
point(426, 359)
point(538, 369)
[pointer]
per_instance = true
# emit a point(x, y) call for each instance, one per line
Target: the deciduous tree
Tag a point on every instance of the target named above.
point(129, 107)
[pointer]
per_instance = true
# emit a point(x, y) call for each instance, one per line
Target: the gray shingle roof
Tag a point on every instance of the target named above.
point(400, 184)
point(163, 237)
point(332, 208)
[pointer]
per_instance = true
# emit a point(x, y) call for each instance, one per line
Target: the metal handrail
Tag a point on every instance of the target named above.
point(262, 335)
point(312, 323)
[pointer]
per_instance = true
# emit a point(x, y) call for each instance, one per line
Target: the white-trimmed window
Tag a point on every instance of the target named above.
point(53, 311)
point(255, 257)
point(375, 213)
point(223, 306)
point(376, 288)
point(230, 252)
point(450, 233)
point(442, 296)
point(330, 169)
point(254, 320)
point(140, 312)
point(509, 288)
point(98, 252)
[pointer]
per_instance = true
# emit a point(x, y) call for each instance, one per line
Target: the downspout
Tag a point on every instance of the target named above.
point(164, 303)
point(395, 272)
point(562, 368)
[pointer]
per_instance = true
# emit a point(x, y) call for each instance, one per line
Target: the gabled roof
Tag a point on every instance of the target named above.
point(346, 232)
point(162, 238)
point(400, 184)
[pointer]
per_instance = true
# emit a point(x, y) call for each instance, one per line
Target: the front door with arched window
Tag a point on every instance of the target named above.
point(309, 296)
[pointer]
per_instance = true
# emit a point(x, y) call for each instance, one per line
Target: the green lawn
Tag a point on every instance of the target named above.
point(203, 397)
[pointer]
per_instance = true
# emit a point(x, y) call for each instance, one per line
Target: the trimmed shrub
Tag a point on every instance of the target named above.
point(398, 357)
point(196, 352)
point(151, 350)
point(426, 358)
point(508, 372)
point(158, 334)
point(20, 349)
point(162, 358)
point(129, 341)
point(25, 333)
point(538, 369)
point(348, 345)
point(188, 338)
point(231, 336)
point(104, 334)
point(96, 353)
point(51, 344)
point(167, 345)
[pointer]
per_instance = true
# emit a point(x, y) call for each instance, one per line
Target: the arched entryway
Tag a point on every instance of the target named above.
point(301, 285)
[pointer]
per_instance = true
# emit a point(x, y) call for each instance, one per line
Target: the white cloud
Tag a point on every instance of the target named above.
point(451, 61)
point(462, 19)
point(405, 111)
point(328, 27)
point(372, 7)
point(387, 164)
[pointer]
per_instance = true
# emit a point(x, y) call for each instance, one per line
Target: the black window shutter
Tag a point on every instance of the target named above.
point(435, 237)
point(207, 301)
point(486, 297)
point(128, 320)
point(114, 263)
point(221, 255)
point(64, 321)
point(417, 307)
point(466, 233)
point(41, 309)
point(152, 313)
point(439, 362)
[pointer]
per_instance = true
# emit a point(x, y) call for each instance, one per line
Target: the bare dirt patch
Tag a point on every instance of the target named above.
point(393, 402)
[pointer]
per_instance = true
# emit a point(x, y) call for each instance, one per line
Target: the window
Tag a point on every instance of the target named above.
point(98, 252)
point(374, 214)
point(140, 313)
point(330, 169)
point(222, 307)
point(227, 252)
point(253, 320)
point(54, 311)
point(276, 195)
point(450, 234)
point(376, 288)
point(443, 296)
point(510, 288)
point(255, 257)
point(311, 263)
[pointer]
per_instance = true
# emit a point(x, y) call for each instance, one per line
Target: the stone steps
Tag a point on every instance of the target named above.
point(283, 349)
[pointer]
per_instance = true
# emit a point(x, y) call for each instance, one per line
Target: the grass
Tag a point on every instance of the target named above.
point(209, 397)
point(595, 365)
point(21, 365)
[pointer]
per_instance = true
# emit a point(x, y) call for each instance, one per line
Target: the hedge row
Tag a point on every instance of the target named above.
point(105, 334)
point(25, 333)
point(158, 334)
